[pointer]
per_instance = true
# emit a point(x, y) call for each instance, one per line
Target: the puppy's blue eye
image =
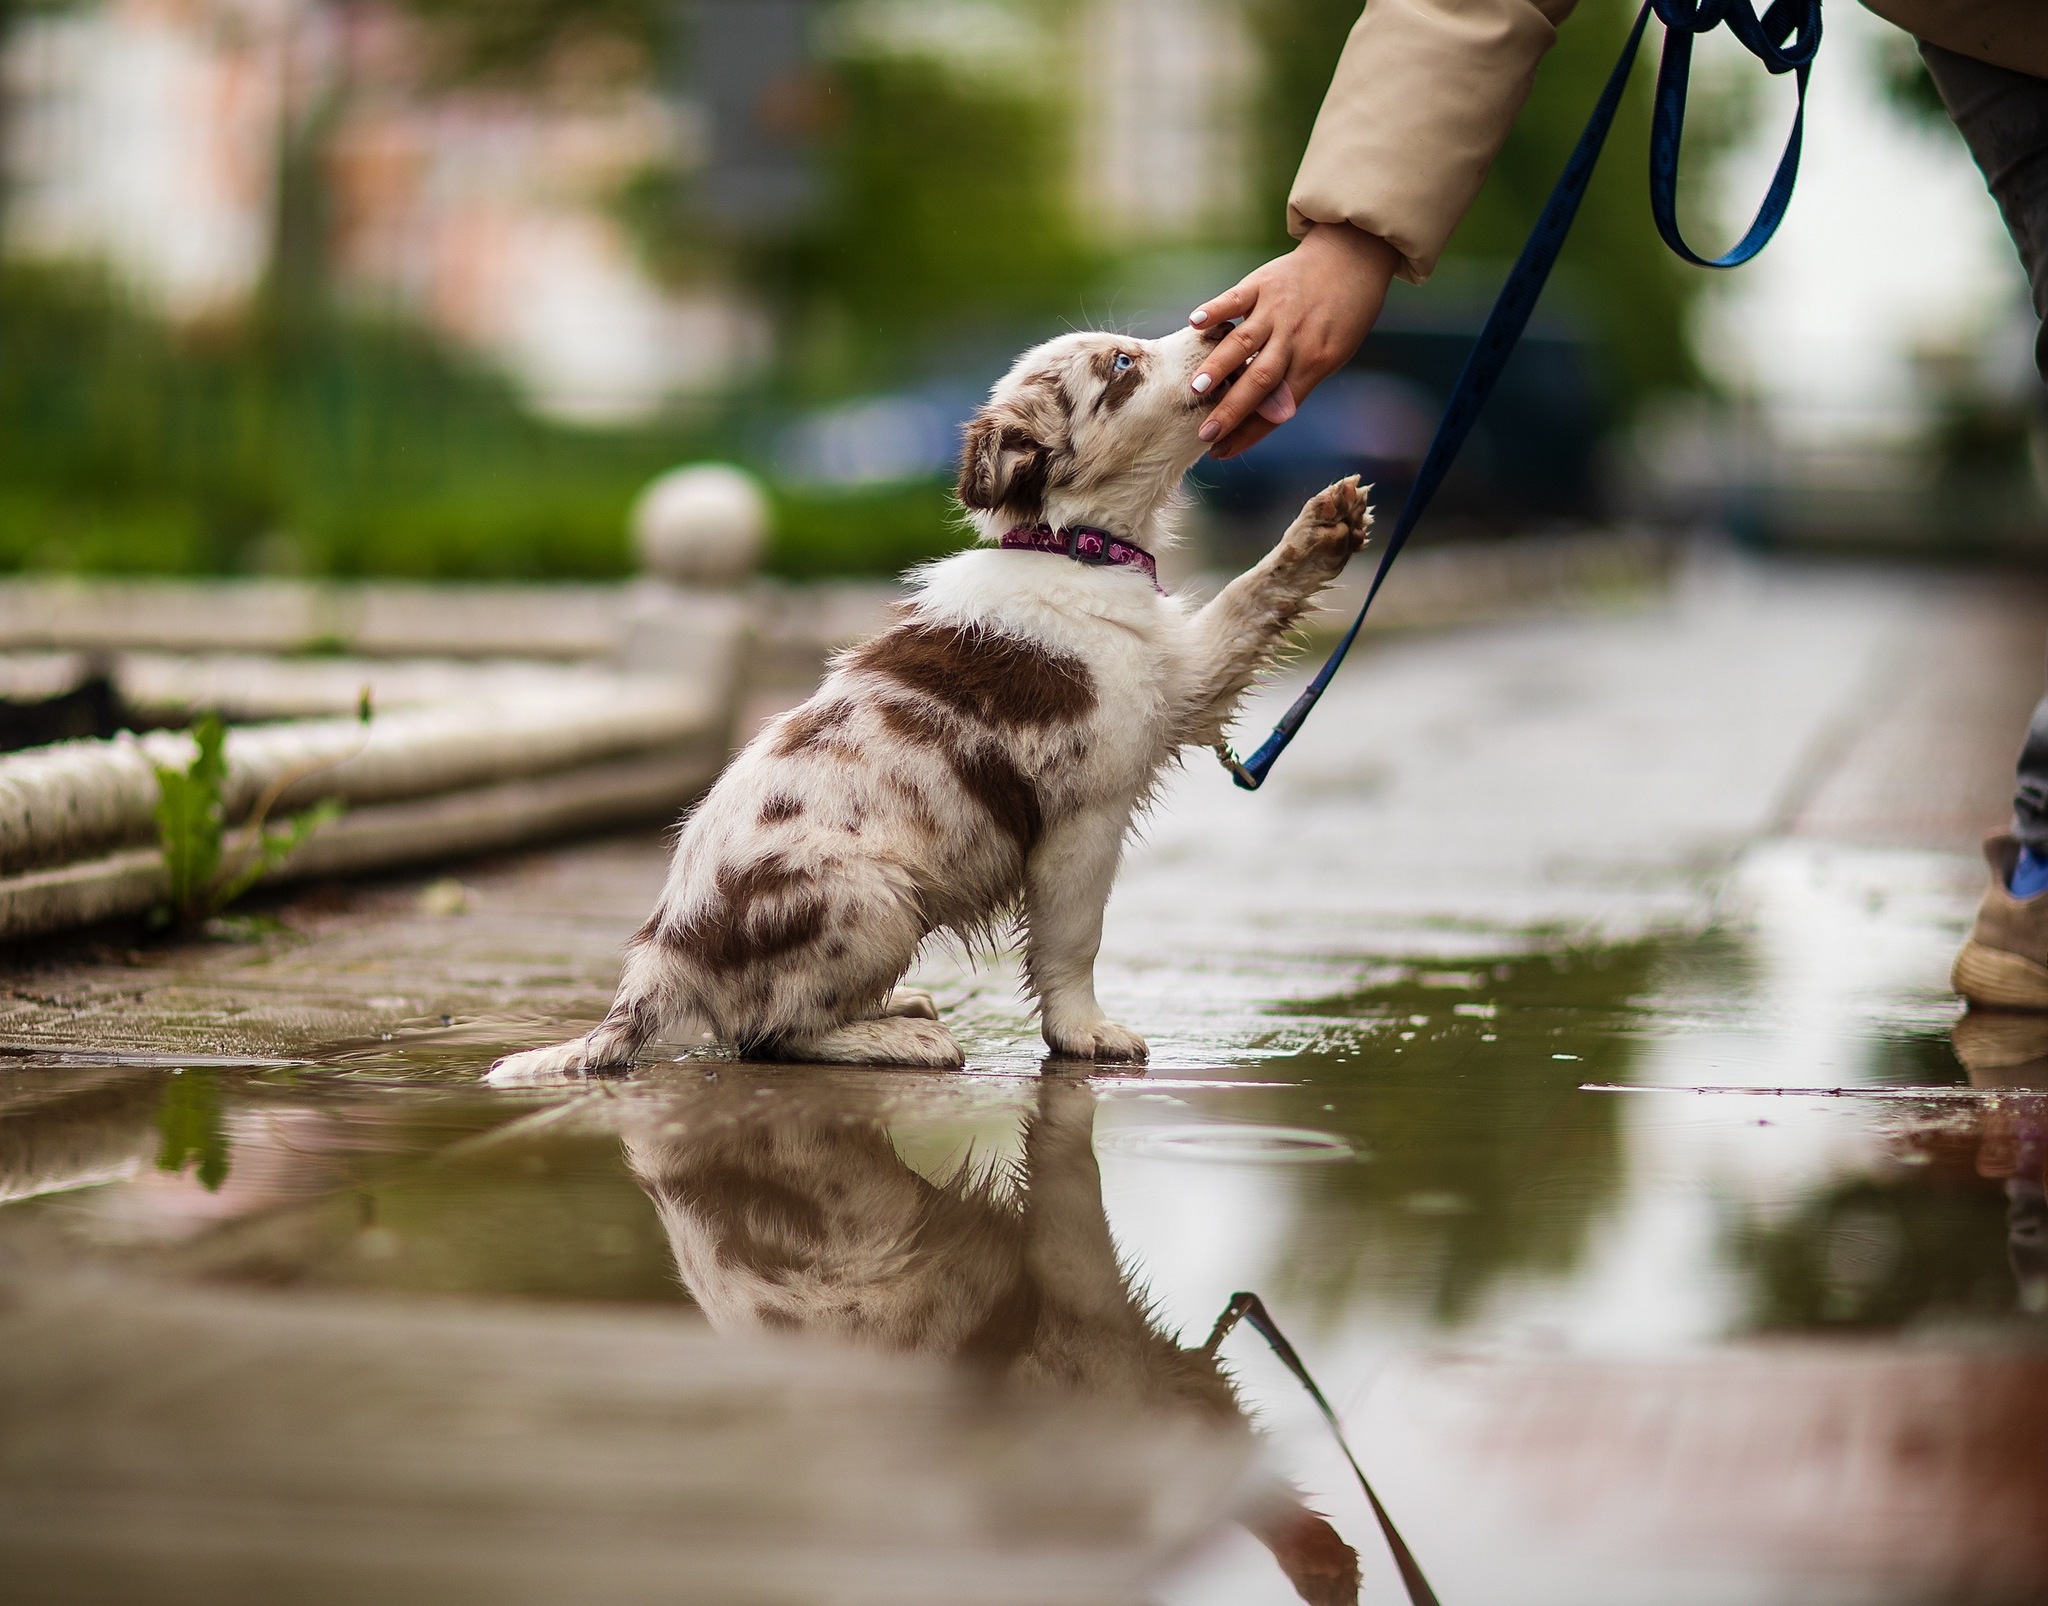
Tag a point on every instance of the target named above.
point(1123, 360)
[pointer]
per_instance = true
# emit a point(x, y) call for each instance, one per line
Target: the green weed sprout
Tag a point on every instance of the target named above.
point(191, 823)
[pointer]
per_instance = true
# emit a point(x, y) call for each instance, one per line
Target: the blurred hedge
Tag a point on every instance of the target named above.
point(338, 448)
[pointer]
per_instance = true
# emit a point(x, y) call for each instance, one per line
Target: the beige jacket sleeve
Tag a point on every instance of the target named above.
point(1420, 105)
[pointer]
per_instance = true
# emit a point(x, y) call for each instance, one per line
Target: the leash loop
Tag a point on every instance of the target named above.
point(1247, 1306)
point(1784, 39)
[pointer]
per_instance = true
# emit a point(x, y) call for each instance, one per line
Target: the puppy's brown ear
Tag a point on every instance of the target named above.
point(1002, 465)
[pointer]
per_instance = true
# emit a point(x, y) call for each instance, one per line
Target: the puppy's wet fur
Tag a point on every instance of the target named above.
point(979, 764)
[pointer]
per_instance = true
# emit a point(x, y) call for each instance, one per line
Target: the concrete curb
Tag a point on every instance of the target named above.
point(74, 799)
point(481, 819)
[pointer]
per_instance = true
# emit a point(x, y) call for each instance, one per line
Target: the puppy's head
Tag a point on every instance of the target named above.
point(1087, 429)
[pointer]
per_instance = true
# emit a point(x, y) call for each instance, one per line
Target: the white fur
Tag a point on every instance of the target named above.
point(982, 761)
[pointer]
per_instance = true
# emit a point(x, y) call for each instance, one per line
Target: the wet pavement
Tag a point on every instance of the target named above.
point(1560, 1045)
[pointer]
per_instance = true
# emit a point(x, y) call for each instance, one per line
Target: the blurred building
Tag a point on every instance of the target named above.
point(1163, 118)
point(148, 136)
point(143, 137)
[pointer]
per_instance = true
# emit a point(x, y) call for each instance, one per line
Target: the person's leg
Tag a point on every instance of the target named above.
point(2003, 118)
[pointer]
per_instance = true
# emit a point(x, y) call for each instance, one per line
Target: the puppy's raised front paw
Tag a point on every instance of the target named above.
point(1097, 1040)
point(1334, 522)
point(542, 1067)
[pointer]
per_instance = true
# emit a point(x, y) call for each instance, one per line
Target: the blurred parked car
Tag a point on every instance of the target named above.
point(1533, 458)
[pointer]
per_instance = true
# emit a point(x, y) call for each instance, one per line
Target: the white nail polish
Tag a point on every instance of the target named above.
point(1201, 383)
point(1198, 317)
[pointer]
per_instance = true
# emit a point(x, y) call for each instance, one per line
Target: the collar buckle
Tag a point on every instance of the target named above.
point(1100, 538)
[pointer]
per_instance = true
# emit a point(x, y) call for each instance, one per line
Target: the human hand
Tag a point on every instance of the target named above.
point(1304, 314)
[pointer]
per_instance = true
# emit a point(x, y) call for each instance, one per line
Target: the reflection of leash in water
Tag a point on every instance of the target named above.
point(1784, 39)
point(1249, 1307)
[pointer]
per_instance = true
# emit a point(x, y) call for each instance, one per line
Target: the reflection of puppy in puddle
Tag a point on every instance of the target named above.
point(2009, 1049)
point(805, 1218)
point(980, 762)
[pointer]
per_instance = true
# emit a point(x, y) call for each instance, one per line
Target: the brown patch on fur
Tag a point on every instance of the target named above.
point(781, 807)
point(1117, 388)
point(1013, 447)
point(914, 722)
point(999, 680)
point(987, 775)
point(809, 726)
point(763, 909)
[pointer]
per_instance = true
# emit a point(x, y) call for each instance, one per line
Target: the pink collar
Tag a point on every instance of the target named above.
point(1084, 544)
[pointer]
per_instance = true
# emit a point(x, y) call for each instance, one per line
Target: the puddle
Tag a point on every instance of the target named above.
point(1466, 1189)
point(1218, 1141)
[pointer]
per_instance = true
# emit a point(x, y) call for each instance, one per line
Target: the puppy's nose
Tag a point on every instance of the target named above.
point(1214, 332)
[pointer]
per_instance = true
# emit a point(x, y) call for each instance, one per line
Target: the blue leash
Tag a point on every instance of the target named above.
point(1784, 40)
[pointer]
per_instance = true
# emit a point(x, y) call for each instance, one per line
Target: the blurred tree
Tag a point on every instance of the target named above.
point(947, 205)
point(1615, 278)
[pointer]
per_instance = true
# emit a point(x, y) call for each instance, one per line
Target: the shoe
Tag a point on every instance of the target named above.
point(2002, 1048)
point(2004, 965)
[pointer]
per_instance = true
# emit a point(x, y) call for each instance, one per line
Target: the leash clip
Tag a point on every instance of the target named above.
point(1244, 777)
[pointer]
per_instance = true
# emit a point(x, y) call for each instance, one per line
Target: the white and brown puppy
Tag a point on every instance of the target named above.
point(982, 760)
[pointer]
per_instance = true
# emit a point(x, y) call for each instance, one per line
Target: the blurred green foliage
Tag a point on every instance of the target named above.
point(947, 209)
point(821, 533)
point(327, 447)
point(1615, 276)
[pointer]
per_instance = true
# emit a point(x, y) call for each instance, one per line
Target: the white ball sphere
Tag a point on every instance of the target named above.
point(706, 524)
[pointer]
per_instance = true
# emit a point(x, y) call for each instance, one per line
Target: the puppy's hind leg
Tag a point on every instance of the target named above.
point(887, 1040)
point(644, 1001)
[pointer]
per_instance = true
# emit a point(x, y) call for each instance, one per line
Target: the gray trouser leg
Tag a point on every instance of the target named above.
point(2003, 116)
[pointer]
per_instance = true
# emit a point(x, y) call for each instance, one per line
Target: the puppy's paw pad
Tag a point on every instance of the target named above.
point(541, 1067)
point(1100, 1040)
point(1338, 517)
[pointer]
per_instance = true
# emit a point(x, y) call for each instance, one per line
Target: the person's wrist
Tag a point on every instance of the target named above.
point(1368, 252)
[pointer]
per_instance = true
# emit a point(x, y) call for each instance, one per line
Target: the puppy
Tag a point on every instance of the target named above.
point(982, 760)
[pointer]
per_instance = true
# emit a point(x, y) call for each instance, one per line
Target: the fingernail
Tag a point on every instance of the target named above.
point(1198, 317)
point(1209, 431)
point(1201, 384)
point(1278, 407)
